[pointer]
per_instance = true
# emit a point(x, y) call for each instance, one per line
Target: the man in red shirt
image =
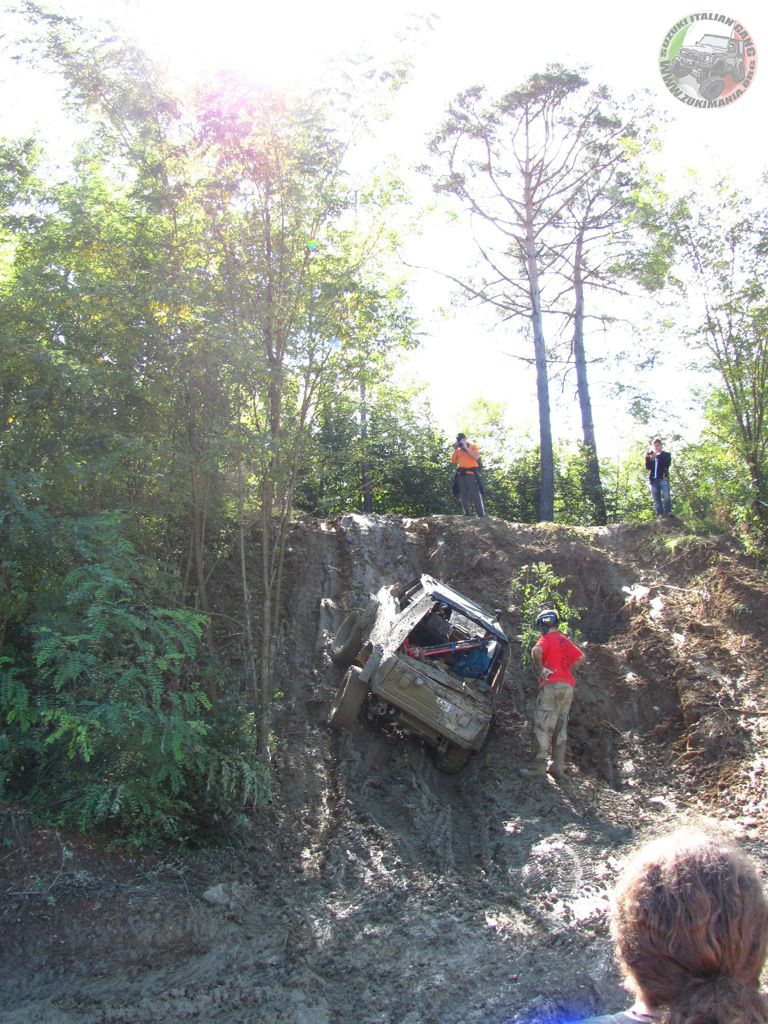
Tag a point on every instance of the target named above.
point(554, 657)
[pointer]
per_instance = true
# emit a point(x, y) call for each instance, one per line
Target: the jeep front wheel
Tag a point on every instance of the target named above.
point(346, 643)
point(349, 699)
point(452, 759)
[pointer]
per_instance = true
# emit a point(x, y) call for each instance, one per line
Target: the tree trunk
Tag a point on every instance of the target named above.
point(366, 466)
point(594, 484)
point(249, 653)
point(547, 461)
point(264, 691)
point(269, 470)
point(757, 482)
point(197, 538)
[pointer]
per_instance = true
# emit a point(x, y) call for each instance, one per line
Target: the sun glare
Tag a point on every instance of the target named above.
point(276, 43)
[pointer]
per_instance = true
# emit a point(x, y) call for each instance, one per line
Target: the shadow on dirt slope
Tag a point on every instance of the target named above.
point(375, 889)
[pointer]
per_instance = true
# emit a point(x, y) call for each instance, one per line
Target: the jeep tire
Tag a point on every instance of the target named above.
point(347, 642)
point(738, 73)
point(712, 88)
point(349, 699)
point(452, 759)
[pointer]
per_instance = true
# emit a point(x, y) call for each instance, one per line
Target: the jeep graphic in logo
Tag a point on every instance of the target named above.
point(708, 60)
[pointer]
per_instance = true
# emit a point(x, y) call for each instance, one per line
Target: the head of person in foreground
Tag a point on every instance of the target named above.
point(690, 923)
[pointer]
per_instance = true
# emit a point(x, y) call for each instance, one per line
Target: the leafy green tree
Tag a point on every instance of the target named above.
point(576, 500)
point(408, 462)
point(302, 309)
point(712, 485)
point(625, 483)
point(175, 312)
point(512, 486)
point(102, 691)
point(722, 243)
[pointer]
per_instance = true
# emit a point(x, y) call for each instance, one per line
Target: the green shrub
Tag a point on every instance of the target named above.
point(103, 691)
point(534, 588)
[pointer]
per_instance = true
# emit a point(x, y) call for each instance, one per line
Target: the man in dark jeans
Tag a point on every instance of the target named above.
point(657, 462)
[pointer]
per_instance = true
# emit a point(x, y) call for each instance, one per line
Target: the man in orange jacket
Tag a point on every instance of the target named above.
point(466, 457)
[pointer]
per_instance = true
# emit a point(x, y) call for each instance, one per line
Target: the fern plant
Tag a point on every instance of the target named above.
point(106, 721)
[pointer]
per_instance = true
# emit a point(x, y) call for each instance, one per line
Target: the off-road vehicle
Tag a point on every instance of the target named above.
point(709, 61)
point(426, 659)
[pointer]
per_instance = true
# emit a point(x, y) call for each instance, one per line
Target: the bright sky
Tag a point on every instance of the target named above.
point(482, 42)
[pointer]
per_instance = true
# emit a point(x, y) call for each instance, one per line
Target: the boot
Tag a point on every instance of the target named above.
point(557, 768)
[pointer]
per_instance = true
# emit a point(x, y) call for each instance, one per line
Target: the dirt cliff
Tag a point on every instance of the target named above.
point(375, 889)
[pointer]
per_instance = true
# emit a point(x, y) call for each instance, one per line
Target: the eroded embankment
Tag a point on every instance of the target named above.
point(375, 889)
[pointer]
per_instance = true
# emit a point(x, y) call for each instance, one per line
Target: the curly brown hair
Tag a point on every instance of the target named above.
point(690, 922)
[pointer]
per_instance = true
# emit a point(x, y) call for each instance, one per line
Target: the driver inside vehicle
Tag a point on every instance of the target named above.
point(439, 622)
point(451, 646)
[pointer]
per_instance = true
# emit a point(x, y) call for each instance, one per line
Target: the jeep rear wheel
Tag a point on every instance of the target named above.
point(452, 759)
point(738, 73)
point(712, 89)
point(346, 643)
point(349, 698)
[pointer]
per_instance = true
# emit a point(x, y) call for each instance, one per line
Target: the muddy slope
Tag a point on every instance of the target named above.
point(376, 889)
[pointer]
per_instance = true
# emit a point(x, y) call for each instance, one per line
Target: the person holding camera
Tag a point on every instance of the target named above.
point(466, 457)
point(657, 462)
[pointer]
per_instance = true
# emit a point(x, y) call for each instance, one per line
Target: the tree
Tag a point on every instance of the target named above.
point(302, 313)
point(546, 175)
point(722, 244)
point(610, 239)
point(507, 165)
point(176, 308)
point(712, 486)
point(408, 461)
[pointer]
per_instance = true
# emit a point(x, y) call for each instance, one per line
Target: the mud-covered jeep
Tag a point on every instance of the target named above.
point(709, 61)
point(427, 659)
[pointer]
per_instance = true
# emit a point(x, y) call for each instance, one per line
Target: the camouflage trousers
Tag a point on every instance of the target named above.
point(550, 724)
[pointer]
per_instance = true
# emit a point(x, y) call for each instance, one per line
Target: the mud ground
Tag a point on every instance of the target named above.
point(374, 889)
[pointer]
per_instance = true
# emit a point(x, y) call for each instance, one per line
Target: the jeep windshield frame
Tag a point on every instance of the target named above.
point(445, 595)
point(716, 42)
